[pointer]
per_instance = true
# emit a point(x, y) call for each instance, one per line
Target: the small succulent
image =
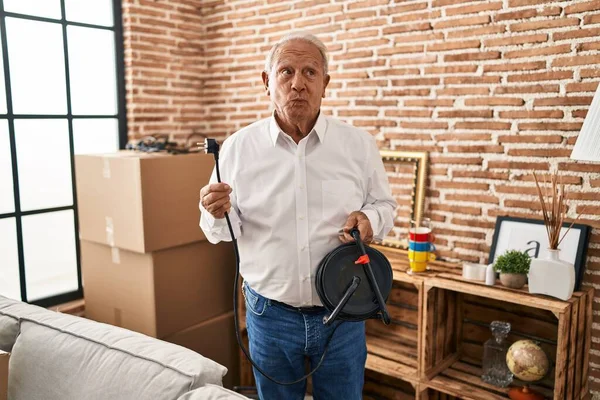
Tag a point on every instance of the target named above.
point(513, 262)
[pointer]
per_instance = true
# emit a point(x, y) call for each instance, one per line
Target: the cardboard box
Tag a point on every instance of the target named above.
point(157, 293)
point(214, 339)
point(4, 359)
point(141, 201)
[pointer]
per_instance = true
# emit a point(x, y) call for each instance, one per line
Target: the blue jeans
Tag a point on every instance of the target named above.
point(281, 340)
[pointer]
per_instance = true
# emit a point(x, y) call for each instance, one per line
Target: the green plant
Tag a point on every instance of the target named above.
point(513, 262)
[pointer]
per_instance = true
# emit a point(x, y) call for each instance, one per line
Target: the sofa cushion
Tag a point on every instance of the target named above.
point(212, 392)
point(52, 363)
point(61, 351)
point(9, 325)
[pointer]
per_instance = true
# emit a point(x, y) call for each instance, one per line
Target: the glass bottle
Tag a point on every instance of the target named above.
point(495, 371)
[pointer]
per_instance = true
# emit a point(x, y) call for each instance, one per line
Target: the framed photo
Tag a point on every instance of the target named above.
point(530, 235)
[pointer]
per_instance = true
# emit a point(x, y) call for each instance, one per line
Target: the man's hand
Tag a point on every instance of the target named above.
point(357, 219)
point(215, 199)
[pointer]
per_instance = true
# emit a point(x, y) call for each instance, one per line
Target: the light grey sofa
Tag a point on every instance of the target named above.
point(63, 357)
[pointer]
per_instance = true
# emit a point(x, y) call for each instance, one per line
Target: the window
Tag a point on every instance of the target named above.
point(61, 94)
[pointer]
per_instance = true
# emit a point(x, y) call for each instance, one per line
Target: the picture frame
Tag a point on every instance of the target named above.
point(530, 235)
point(418, 160)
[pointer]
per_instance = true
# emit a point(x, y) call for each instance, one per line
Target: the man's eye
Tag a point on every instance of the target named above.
point(310, 72)
point(286, 71)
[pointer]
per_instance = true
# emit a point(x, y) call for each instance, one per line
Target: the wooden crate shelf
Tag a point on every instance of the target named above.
point(457, 314)
point(433, 348)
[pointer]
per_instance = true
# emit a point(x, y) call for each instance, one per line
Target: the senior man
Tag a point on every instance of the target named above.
point(290, 183)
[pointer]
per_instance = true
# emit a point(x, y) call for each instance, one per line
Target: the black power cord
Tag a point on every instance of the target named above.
point(212, 147)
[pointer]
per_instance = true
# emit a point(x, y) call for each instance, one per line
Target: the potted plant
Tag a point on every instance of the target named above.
point(551, 275)
point(513, 267)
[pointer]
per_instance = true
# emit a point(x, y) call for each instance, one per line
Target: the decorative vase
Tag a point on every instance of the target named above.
point(552, 276)
point(513, 281)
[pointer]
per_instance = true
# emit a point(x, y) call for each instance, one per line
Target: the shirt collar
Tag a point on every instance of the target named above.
point(320, 127)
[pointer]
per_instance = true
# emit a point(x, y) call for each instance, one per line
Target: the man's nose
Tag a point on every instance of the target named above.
point(298, 83)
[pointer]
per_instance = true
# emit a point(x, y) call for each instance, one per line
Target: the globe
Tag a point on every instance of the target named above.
point(527, 361)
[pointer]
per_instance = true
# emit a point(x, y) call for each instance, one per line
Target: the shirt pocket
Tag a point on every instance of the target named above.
point(337, 200)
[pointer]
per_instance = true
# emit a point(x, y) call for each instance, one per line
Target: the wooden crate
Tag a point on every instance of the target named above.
point(393, 349)
point(456, 317)
point(432, 394)
point(380, 386)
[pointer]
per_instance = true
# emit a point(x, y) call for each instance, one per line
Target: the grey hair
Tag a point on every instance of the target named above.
point(307, 37)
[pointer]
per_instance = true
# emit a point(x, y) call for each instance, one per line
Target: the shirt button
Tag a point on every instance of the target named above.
point(301, 187)
point(301, 217)
point(305, 278)
point(302, 248)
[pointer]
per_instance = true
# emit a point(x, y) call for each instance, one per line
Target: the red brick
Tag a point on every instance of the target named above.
point(450, 69)
point(466, 114)
point(458, 91)
point(415, 82)
point(461, 80)
point(540, 51)
point(483, 125)
point(544, 24)
point(476, 149)
point(421, 26)
point(479, 198)
point(550, 126)
point(591, 19)
point(486, 30)
point(457, 136)
point(417, 16)
point(527, 13)
point(404, 8)
point(494, 101)
point(407, 92)
point(525, 66)
point(579, 113)
point(457, 209)
point(409, 113)
point(582, 87)
point(588, 46)
point(467, 21)
point(429, 103)
point(456, 160)
point(473, 9)
point(396, 71)
point(516, 39)
point(581, 7)
point(423, 125)
point(541, 76)
point(550, 153)
point(527, 89)
point(531, 114)
point(576, 60)
point(366, 24)
point(576, 33)
point(518, 165)
point(567, 180)
point(462, 185)
point(528, 205)
point(578, 167)
point(478, 56)
point(365, 4)
point(455, 45)
point(590, 73)
point(563, 101)
point(530, 138)
point(481, 175)
point(419, 48)
point(428, 59)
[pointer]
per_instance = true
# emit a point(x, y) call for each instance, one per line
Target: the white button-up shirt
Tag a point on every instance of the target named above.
point(290, 200)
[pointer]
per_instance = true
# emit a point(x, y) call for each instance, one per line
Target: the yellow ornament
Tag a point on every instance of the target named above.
point(527, 361)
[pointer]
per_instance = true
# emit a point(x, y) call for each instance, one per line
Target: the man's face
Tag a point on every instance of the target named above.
point(297, 81)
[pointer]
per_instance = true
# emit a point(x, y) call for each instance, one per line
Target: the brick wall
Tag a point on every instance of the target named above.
point(491, 89)
point(164, 66)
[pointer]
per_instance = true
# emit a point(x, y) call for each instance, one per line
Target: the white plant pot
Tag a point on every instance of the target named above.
point(552, 276)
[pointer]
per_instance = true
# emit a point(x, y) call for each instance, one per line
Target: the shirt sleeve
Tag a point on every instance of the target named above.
point(216, 230)
point(380, 205)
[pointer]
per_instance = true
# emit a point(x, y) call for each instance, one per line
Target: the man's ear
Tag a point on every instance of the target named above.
point(326, 82)
point(265, 79)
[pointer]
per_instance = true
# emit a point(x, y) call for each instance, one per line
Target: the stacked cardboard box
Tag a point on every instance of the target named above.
point(146, 264)
point(4, 359)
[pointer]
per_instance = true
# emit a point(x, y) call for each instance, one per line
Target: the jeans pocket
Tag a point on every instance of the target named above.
point(255, 303)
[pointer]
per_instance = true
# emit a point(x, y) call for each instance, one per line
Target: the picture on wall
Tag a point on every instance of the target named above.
point(530, 235)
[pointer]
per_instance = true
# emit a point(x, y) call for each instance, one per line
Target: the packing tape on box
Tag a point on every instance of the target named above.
point(106, 168)
point(116, 256)
point(110, 231)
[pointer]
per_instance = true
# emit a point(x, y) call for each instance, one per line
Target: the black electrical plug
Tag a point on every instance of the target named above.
point(210, 146)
